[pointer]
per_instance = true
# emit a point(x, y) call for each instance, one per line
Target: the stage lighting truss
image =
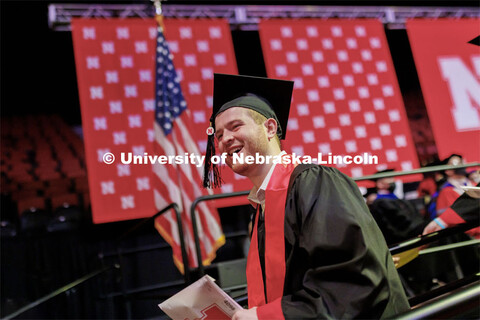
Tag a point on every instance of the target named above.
point(246, 17)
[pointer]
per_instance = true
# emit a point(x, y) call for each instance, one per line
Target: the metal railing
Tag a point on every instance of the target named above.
point(102, 270)
point(195, 203)
point(432, 237)
point(59, 291)
point(461, 303)
point(172, 206)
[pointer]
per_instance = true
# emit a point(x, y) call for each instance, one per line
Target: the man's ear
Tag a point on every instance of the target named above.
point(271, 126)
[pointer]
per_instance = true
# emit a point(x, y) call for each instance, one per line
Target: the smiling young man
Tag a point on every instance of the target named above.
point(315, 251)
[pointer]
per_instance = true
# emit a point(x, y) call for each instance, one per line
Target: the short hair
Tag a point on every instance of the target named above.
point(260, 119)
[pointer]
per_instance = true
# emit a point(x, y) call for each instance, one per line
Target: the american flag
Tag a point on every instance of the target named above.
point(179, 183)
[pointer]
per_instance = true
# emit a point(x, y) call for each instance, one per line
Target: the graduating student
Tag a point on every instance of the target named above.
point(315, 250)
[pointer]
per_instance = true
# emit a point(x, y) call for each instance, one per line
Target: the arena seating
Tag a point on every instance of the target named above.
point(43, 175)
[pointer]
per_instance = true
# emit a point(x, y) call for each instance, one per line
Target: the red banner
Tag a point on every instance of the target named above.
point(346, 100)
point(115, 63)
point(449, 72)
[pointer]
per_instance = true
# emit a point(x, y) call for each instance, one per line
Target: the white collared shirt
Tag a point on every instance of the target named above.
point(258, 195)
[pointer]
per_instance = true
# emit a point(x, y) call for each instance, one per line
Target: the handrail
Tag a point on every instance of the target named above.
point(201, 268)
point(186, 269)
point(429, 238)
point(416, 171)
point(175, 208)
point(59, 291)
point(451, 246)
point(423, 298)
point(459, 300)
point(95, 273)
point(130, 292)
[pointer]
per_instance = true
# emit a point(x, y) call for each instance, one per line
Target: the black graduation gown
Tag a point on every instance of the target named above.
point(337, 262)
point(397, 219)
point(468, 208)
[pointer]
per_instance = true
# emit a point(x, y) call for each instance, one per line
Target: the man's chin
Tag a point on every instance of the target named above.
point(240, 169)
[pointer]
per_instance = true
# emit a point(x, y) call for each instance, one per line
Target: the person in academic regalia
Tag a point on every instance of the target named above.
point(450, 191)
point(384, 188)
point(452, 188)
point(315, 251)
point(465, 209)
point(398, 219)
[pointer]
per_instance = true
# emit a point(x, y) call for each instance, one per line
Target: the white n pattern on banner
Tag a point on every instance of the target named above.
point(464, 90)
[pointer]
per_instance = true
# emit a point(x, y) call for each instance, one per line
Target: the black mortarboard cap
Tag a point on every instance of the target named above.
point(475, 41)
point(269, 97)
point(447, 159)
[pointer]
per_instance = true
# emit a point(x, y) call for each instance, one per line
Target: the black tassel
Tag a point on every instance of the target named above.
point(211, 174)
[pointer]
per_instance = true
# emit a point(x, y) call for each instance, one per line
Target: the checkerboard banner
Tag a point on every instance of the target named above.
point(346, 98)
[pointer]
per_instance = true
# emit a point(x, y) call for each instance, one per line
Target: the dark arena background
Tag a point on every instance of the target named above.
point(81, 238)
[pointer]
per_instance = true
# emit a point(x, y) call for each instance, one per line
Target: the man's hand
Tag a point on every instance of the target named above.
point(431, 227)
point(396, 260)
point(250, 314)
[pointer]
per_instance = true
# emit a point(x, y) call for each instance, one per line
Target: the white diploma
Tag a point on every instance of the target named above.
point(203, 299)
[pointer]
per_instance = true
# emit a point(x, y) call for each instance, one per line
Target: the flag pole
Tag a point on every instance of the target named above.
point(158, 13)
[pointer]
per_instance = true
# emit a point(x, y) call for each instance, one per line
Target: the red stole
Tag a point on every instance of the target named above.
point(275, 198)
